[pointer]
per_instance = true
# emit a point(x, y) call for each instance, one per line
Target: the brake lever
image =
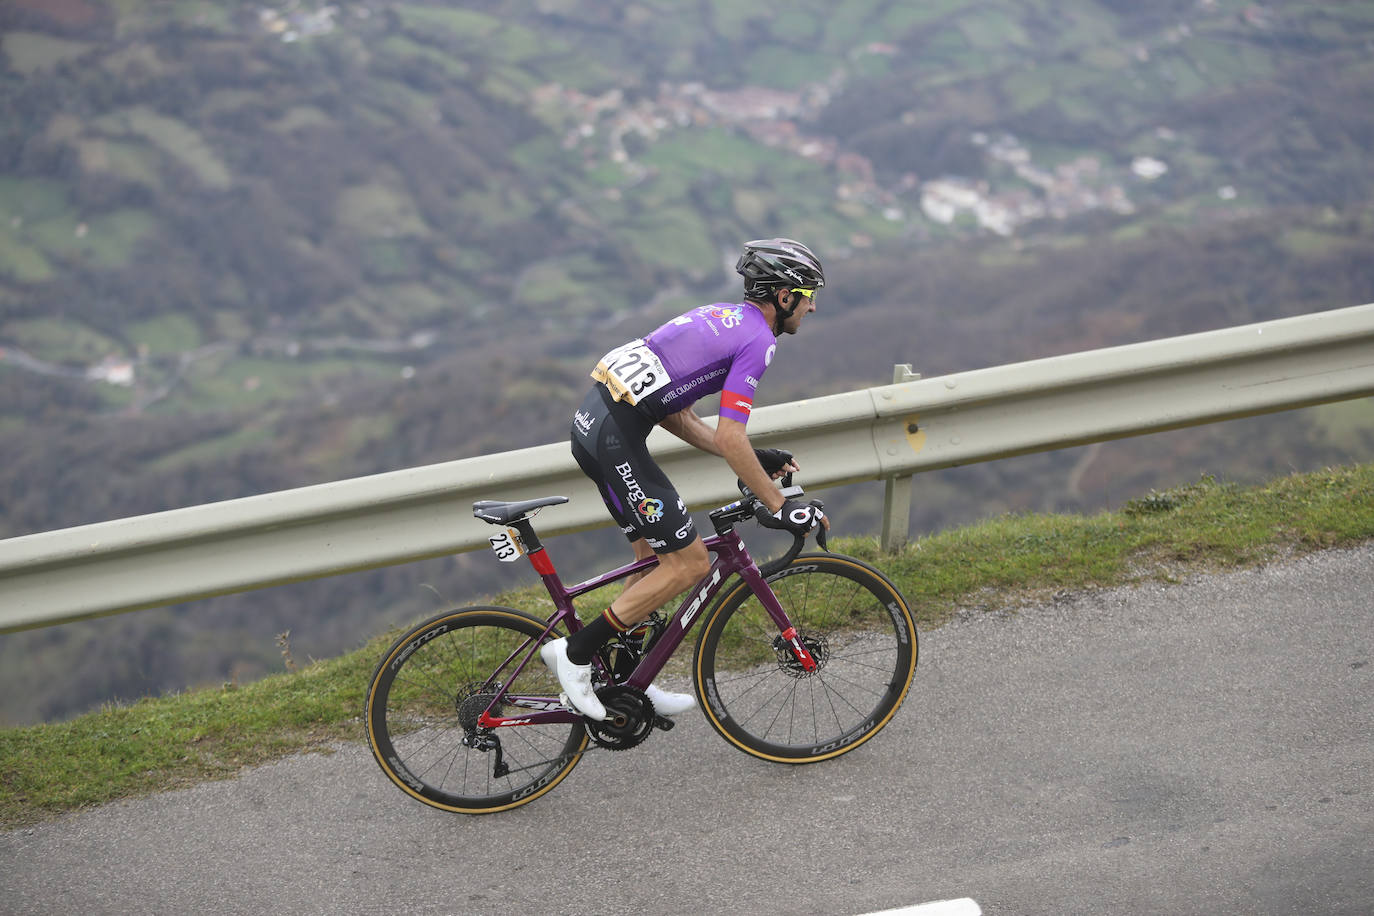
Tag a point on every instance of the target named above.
point(820, 528)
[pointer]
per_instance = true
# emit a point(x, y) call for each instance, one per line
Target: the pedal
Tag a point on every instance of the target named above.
point(663, 722)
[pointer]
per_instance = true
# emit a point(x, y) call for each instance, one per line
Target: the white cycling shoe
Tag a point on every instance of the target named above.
point(669, 704)
point(576, 680)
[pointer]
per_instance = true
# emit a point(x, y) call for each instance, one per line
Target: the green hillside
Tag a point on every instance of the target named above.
point(251, 246)
point(293, 182)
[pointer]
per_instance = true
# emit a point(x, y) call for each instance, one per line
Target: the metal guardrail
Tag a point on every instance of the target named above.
point(884, 433)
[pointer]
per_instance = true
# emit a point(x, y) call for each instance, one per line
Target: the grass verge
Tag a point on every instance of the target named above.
point(174, 741)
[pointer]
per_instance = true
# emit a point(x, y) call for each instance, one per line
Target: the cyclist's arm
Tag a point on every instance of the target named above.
point(690, 428)
point(731, 442)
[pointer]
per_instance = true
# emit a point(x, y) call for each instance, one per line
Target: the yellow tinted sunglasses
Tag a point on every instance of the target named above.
point(808, 293)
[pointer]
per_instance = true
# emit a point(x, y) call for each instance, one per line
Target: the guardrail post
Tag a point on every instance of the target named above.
point(896, 512)
point(897, 490)
point(902, 373)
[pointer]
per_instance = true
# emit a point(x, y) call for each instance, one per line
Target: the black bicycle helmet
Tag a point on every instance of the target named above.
point(768, 265)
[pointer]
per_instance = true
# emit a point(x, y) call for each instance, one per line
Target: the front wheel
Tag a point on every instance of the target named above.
point(855, 624)
point(425, 697)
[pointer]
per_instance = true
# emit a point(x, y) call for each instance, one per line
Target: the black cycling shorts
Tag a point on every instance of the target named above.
point(608, 443)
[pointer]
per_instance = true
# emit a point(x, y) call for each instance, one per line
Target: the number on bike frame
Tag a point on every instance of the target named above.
point(507, 545)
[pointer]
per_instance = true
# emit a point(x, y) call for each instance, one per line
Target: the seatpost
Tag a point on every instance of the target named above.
point(534, 548)
point(527, 535)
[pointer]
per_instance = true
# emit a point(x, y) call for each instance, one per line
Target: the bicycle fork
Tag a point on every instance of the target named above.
point(754, 578)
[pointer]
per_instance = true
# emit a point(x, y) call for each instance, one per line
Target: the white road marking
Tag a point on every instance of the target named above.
point(964, 906)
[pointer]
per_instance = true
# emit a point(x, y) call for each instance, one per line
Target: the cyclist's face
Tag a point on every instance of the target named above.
point(805, 306)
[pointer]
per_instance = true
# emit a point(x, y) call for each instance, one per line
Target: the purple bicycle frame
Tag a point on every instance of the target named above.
point(731, 556)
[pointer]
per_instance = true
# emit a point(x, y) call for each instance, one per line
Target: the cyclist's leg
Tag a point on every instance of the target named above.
point(608, 441)
point(642, 552)
point(590, 425)
point(652, 505)
point(676, 571)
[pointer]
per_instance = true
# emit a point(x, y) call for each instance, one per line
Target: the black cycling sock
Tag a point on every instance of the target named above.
point(583, 644)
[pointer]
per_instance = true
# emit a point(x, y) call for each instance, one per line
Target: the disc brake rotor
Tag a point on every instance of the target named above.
point(818, 646)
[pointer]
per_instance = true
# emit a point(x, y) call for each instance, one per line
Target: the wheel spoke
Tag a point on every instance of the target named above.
point(761, 699)
point(431, 681)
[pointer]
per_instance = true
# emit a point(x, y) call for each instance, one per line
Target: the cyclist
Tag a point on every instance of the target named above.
point(653, 381)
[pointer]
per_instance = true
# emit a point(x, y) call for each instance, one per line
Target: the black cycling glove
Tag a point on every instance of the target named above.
point(773, 459)
point(798, 518)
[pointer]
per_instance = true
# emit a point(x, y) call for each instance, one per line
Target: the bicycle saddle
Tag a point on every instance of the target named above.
point(500, 512)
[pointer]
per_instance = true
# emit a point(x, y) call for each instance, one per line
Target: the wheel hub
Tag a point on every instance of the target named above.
point(472, 700)
point(818, 646)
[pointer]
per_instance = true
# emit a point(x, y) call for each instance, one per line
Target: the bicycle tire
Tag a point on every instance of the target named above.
point(856, 623)
point(413, 707)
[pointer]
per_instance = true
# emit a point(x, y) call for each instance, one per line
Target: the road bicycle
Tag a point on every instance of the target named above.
point(799, 661)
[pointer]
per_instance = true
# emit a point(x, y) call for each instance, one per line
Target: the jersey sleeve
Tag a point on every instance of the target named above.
point(737, 397)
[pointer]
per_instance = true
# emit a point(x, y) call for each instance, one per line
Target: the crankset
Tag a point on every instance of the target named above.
point(629, 718)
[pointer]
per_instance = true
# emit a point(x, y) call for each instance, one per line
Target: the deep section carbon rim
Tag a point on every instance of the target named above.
point(850, 618)
point(424, 699)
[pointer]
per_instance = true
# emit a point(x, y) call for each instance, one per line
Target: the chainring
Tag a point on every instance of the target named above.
point(629, 718)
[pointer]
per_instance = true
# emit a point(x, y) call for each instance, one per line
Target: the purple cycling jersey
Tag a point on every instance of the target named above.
point(715, 348)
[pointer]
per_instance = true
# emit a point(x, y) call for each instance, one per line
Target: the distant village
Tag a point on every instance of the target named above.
point(600, 125)
point(292, 24)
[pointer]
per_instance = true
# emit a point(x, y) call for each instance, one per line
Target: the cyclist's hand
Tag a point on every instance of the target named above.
point(776, 461)
point(798, 518)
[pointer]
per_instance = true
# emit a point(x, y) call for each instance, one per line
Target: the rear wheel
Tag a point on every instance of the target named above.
point(424, 699)
point(856, 625)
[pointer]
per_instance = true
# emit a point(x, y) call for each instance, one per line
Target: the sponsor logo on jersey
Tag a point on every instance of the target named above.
point(753, 382)
point(680, 390)
point(582, 422)
point(650, 508)
point(729, 317)
point(706, 312)
point(768, 357)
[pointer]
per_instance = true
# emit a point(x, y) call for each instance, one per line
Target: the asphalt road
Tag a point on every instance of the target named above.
point(1197, 748)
